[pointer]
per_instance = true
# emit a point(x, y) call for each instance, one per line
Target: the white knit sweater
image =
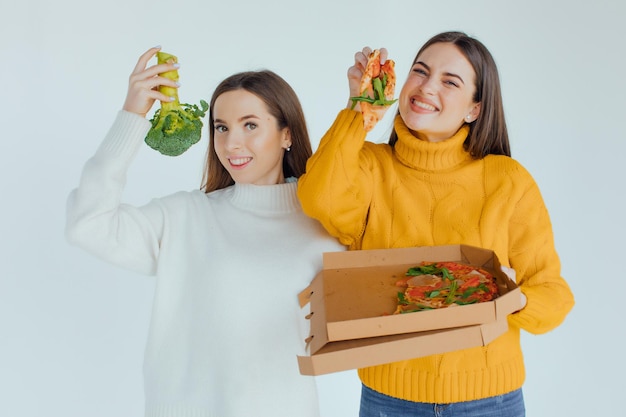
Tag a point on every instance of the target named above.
point(226, 326)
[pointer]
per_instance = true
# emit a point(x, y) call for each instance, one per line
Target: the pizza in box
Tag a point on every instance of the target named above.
point(433, 285)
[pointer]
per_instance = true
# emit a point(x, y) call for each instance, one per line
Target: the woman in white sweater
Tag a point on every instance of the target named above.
point(229, 259)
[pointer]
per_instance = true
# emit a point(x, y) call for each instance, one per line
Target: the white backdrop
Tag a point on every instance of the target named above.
point(72, 328)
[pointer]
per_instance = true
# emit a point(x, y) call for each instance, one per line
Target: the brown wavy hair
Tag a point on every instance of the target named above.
point(488, 133)
point(282, 103)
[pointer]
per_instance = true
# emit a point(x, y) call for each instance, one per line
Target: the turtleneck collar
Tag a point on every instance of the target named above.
point(430, 156)
point(279, 198)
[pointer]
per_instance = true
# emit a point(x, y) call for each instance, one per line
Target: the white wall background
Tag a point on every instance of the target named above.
point(72, 328)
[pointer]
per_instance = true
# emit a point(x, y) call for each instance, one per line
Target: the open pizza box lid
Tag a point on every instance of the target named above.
point(354, 296)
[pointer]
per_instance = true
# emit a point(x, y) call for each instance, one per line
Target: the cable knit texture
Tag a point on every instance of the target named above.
point(226, 326)
point(419, 193)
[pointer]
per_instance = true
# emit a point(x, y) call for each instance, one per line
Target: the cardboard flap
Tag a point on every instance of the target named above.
point(477, 256)
point(305, 296)
point(354, 354)
point(313, 294)
point(490, 331)
point(508, 304)
point(376, 257)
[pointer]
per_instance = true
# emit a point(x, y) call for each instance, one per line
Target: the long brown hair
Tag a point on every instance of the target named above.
point(488, 133)
point(282, 103)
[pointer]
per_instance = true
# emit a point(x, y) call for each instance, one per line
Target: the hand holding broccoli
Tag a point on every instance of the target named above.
point(175, 126)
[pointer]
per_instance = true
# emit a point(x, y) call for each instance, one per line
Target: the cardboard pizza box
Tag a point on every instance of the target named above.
point(352, 300)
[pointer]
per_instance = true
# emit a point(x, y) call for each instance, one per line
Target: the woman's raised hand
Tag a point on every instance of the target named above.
point(143, 85)
point(355, 72)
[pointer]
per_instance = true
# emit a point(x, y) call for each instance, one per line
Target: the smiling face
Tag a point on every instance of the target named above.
point(248, 141)
point(437, 97)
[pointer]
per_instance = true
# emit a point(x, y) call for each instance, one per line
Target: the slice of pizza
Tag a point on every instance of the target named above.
point(378, 84)
point(432, 285)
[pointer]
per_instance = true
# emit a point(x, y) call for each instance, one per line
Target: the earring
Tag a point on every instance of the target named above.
point(288, 148)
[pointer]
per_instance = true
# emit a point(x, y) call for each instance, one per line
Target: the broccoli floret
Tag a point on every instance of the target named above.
point(175, 126)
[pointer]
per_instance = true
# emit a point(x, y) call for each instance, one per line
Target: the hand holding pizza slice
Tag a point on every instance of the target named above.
point(377, 88)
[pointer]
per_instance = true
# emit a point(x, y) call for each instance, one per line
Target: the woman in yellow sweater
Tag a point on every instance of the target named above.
point(445, 177)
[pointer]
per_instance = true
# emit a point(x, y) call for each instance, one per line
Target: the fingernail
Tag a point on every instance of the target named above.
point(176, 65)
point(157, 47)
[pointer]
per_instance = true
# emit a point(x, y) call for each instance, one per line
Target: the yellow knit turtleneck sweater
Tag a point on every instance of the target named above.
point(421, 193)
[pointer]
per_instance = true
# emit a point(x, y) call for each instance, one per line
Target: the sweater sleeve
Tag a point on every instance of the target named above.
point(96, 220)
point(533, 255)
point(336, 189)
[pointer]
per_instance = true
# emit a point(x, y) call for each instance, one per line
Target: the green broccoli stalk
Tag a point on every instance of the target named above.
point(175, 126)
